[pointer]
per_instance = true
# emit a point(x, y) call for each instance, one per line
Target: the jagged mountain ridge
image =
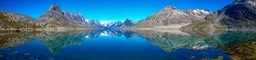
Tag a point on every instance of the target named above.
point(119, 24)
point(170, 15)
point(116, 24)
point(55, 18)
point(127, 23)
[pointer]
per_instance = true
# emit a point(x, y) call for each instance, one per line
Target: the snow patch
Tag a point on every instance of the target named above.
point(251, 2)
point(201, 11)
point(87, 20)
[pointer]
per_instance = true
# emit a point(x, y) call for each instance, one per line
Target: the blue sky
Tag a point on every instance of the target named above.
point(106, 10)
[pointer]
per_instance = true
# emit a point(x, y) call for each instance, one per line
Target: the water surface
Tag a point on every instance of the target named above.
point(126, 45)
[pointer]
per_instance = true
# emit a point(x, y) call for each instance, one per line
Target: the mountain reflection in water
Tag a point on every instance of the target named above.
point(126, 45)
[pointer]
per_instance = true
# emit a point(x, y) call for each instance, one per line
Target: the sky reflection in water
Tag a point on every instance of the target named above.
point(122, 45)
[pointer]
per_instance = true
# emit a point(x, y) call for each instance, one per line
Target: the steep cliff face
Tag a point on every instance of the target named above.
point(170, 15)
point(240, 14)
point(14, 21)
point(55, 18)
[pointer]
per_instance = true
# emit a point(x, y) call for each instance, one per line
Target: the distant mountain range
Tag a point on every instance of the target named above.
point(119, 24)
point(238, 15)
point(55, 18)
point(126, 24)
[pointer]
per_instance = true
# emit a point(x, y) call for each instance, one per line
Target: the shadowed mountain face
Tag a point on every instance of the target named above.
point(127, 23)
point(55, 18)
point(170, 15)
point(241, 14)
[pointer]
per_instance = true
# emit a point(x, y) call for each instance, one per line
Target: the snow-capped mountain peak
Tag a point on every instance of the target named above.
point(107, 24)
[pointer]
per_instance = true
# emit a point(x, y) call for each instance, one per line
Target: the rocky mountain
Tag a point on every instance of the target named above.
point(56, 18)
point(170, 15)
point(240, 14)
point(15, 21)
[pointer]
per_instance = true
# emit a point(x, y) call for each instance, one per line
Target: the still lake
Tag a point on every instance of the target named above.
point(126, 45)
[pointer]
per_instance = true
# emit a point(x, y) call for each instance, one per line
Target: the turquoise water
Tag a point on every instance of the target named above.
point(121, 45)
